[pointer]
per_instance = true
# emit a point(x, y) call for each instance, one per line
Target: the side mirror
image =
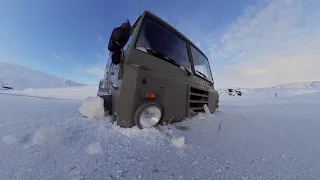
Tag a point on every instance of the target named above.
point(119, 37)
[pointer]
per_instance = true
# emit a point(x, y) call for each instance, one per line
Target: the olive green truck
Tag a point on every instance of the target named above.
point(155, 75)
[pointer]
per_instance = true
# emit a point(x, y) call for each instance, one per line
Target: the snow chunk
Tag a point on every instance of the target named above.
point(94, 148)
point(49, 136)
point(206, 109)
point(10, 139)
point(177, 141)
point(92, 107)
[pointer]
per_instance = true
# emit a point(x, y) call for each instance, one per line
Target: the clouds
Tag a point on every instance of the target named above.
point(270, 42)
point(64, 57)
point(87, 70)
point(91, 74)
point(276, 71)
point(95, 71)
point(275, 42)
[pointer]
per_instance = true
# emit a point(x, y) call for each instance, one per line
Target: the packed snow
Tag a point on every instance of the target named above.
point(177, 141)
point(95, 148)
point(19, 77)
point(259, 135)
point(10, 139)
point(49, 136)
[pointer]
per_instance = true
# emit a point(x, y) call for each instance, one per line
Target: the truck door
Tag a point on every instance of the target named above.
point(115, 78)
point(114, 82)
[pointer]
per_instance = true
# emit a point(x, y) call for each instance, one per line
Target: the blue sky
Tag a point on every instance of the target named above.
point(249, 42)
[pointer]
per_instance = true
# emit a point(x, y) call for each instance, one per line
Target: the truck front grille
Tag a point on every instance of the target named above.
point(197, 99)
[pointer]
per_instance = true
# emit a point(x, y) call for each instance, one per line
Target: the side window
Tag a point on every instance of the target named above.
point(201, 64)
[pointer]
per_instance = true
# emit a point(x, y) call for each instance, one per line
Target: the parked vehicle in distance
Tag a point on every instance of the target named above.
point(155, 75)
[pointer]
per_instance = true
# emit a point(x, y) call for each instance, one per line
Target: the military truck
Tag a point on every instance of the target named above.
point(155, 75)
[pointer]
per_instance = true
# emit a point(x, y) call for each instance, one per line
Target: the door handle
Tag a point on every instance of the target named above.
point(114, 86)
point(111, 73)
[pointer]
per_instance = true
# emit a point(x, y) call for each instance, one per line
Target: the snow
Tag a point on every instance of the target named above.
point(10, 139)
point(92, 107)
point(206, 110)
point(49, 136)
point(20, 77)
point(94, 148)
point(312, 85)
point(177, 141)
point(254, 136)
point(70, 93)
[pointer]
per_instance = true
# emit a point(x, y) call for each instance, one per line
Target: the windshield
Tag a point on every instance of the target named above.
point(201, 64)
point(159, 38)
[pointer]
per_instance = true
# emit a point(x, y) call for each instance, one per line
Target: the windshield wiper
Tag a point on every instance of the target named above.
point(203, 75)
point(166, 58)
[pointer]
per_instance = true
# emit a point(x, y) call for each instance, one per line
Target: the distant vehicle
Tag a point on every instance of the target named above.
point(5, 86)
point(155, 75)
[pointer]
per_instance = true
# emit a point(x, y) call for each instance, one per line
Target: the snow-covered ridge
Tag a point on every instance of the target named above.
point(67, 93)
point(295, 88)
point(13, 76)
point(311, 84)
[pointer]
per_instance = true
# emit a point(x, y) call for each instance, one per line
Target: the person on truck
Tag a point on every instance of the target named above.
point(121, 34)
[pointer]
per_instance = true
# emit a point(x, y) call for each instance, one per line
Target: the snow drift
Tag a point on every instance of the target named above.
point(20, 77)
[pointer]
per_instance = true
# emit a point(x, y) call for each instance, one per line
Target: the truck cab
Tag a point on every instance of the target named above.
point(155, 75)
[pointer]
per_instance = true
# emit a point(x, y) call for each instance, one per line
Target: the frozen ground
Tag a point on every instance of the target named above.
point(251, 137)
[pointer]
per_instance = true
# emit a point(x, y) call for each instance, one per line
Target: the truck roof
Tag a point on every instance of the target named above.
point(174, 29)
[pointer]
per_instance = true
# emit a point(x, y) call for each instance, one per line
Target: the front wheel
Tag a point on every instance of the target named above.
point(107, 104)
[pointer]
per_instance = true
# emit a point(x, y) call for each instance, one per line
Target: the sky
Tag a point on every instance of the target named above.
point(249, 43)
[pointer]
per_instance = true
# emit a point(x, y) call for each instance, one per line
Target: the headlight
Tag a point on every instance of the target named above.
point(102, 84)
point(148, 115)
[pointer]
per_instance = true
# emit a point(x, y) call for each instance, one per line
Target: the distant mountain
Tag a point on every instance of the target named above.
point(295, 87)
point(311, 85)
point(13, 76)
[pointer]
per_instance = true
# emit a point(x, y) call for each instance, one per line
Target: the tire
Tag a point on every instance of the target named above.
point(107, 104)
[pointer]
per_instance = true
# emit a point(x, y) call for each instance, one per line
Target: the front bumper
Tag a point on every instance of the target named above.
point(107, 100)
point(103, 92)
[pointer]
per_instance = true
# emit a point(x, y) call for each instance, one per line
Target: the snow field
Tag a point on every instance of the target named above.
point(247, 138)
